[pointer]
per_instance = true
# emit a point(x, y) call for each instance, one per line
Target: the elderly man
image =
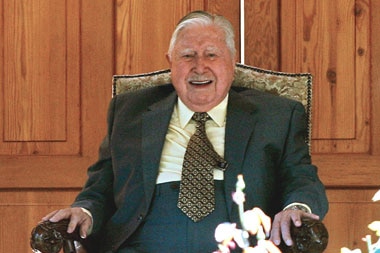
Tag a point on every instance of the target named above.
point(152, 190)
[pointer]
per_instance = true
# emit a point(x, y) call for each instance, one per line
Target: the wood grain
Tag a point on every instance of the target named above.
point(350, 213)
point(331, 40)
point(40, 76)
point(230, 10)
point(375, 78)
point(20, 212)
point(143, 32)
point(262, 34)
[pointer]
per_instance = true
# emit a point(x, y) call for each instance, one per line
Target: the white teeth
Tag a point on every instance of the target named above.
point(200, 82)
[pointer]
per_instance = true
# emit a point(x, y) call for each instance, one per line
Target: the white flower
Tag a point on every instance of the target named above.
point(225, 231)
point(375, 226)
point(241, 238)
point(376, 197)
point(347, 250)
point(240, 184)
point(238, 197)
point(251, 221)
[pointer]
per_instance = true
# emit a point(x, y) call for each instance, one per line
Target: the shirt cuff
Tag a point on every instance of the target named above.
point(298, 206)
point(92, 220)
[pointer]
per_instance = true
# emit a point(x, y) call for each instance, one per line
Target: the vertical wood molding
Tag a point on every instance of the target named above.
point(97, 68)
point(375, 77)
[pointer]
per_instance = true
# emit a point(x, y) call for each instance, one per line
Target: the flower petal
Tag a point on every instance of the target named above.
point(375, 226)
point(376, 197)
point(347, 250)
point(225, 231)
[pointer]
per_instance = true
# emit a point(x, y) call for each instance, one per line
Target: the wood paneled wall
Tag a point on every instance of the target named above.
point(57, 59)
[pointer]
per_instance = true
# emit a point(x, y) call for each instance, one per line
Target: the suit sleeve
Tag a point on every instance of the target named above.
point(299, 178)
point(97, 193)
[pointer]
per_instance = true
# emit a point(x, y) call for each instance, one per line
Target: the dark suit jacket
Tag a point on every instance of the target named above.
point(264, 141)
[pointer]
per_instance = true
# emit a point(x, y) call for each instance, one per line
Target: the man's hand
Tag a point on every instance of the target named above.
point(282, 222)
point(77, 217)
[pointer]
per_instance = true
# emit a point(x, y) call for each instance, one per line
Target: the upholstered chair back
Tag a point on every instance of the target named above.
point(297, 86)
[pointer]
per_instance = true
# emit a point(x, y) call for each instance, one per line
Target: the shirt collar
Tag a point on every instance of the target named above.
point(218, 113)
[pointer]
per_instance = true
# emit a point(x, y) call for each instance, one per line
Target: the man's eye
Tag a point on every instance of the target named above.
point(211, 55)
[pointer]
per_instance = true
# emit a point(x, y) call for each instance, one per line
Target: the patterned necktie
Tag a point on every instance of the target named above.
point(196, 197)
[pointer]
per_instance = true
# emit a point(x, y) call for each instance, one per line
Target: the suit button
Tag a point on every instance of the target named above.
point(140, 217)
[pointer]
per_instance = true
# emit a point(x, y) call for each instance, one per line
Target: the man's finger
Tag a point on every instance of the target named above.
point(85, 227)
point(60, 215)
point(49, 215)
point(275, 235)
point(285, 231)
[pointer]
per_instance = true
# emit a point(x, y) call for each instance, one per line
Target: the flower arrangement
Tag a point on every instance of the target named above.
point(229, 236)
point(374, 226)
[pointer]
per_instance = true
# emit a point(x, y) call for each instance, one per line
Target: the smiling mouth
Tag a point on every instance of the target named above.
point(205, 82)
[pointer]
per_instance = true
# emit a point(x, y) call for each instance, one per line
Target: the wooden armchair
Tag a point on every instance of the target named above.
point(312, 237)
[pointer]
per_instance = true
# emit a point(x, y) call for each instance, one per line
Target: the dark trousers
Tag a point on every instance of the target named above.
point(167, 229)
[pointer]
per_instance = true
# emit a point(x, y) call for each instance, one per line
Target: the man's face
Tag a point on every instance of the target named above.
point(202, 67)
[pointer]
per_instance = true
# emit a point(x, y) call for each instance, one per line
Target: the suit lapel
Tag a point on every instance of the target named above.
point(239, 128)
point(155, 123)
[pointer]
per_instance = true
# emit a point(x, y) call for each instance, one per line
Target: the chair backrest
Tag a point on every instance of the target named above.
point(297, 86)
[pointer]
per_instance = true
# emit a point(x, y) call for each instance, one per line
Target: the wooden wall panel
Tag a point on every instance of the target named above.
point(351, 210)
point(20, 212)
point(143, 31)
point(56, 98)
point(86, 34)
point(375, 78)
point(38, 112)
point(40, 76)
point(231, 10)
point(330, 39)
point(262, 33)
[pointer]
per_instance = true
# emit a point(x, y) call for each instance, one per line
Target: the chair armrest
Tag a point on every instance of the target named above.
point(311, 237)
point(51, 237)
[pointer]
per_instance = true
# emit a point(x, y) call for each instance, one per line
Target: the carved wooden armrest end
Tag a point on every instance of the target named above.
point(311, 237)
point(51, 237)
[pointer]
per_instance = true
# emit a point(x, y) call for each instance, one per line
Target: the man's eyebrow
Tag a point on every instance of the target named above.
point(212, 48)
point(186, 51)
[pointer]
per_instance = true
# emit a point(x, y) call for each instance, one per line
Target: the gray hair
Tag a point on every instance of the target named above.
point(205, 18)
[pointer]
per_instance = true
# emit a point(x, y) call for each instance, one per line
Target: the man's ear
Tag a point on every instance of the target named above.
point(169, 60)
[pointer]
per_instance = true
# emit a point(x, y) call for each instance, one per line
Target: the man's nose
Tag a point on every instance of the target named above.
point(200, 65)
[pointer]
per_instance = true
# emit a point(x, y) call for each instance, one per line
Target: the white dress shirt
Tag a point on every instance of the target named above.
point(181, 128)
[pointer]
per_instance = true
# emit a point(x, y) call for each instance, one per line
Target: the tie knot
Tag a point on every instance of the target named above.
point(201, 117)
